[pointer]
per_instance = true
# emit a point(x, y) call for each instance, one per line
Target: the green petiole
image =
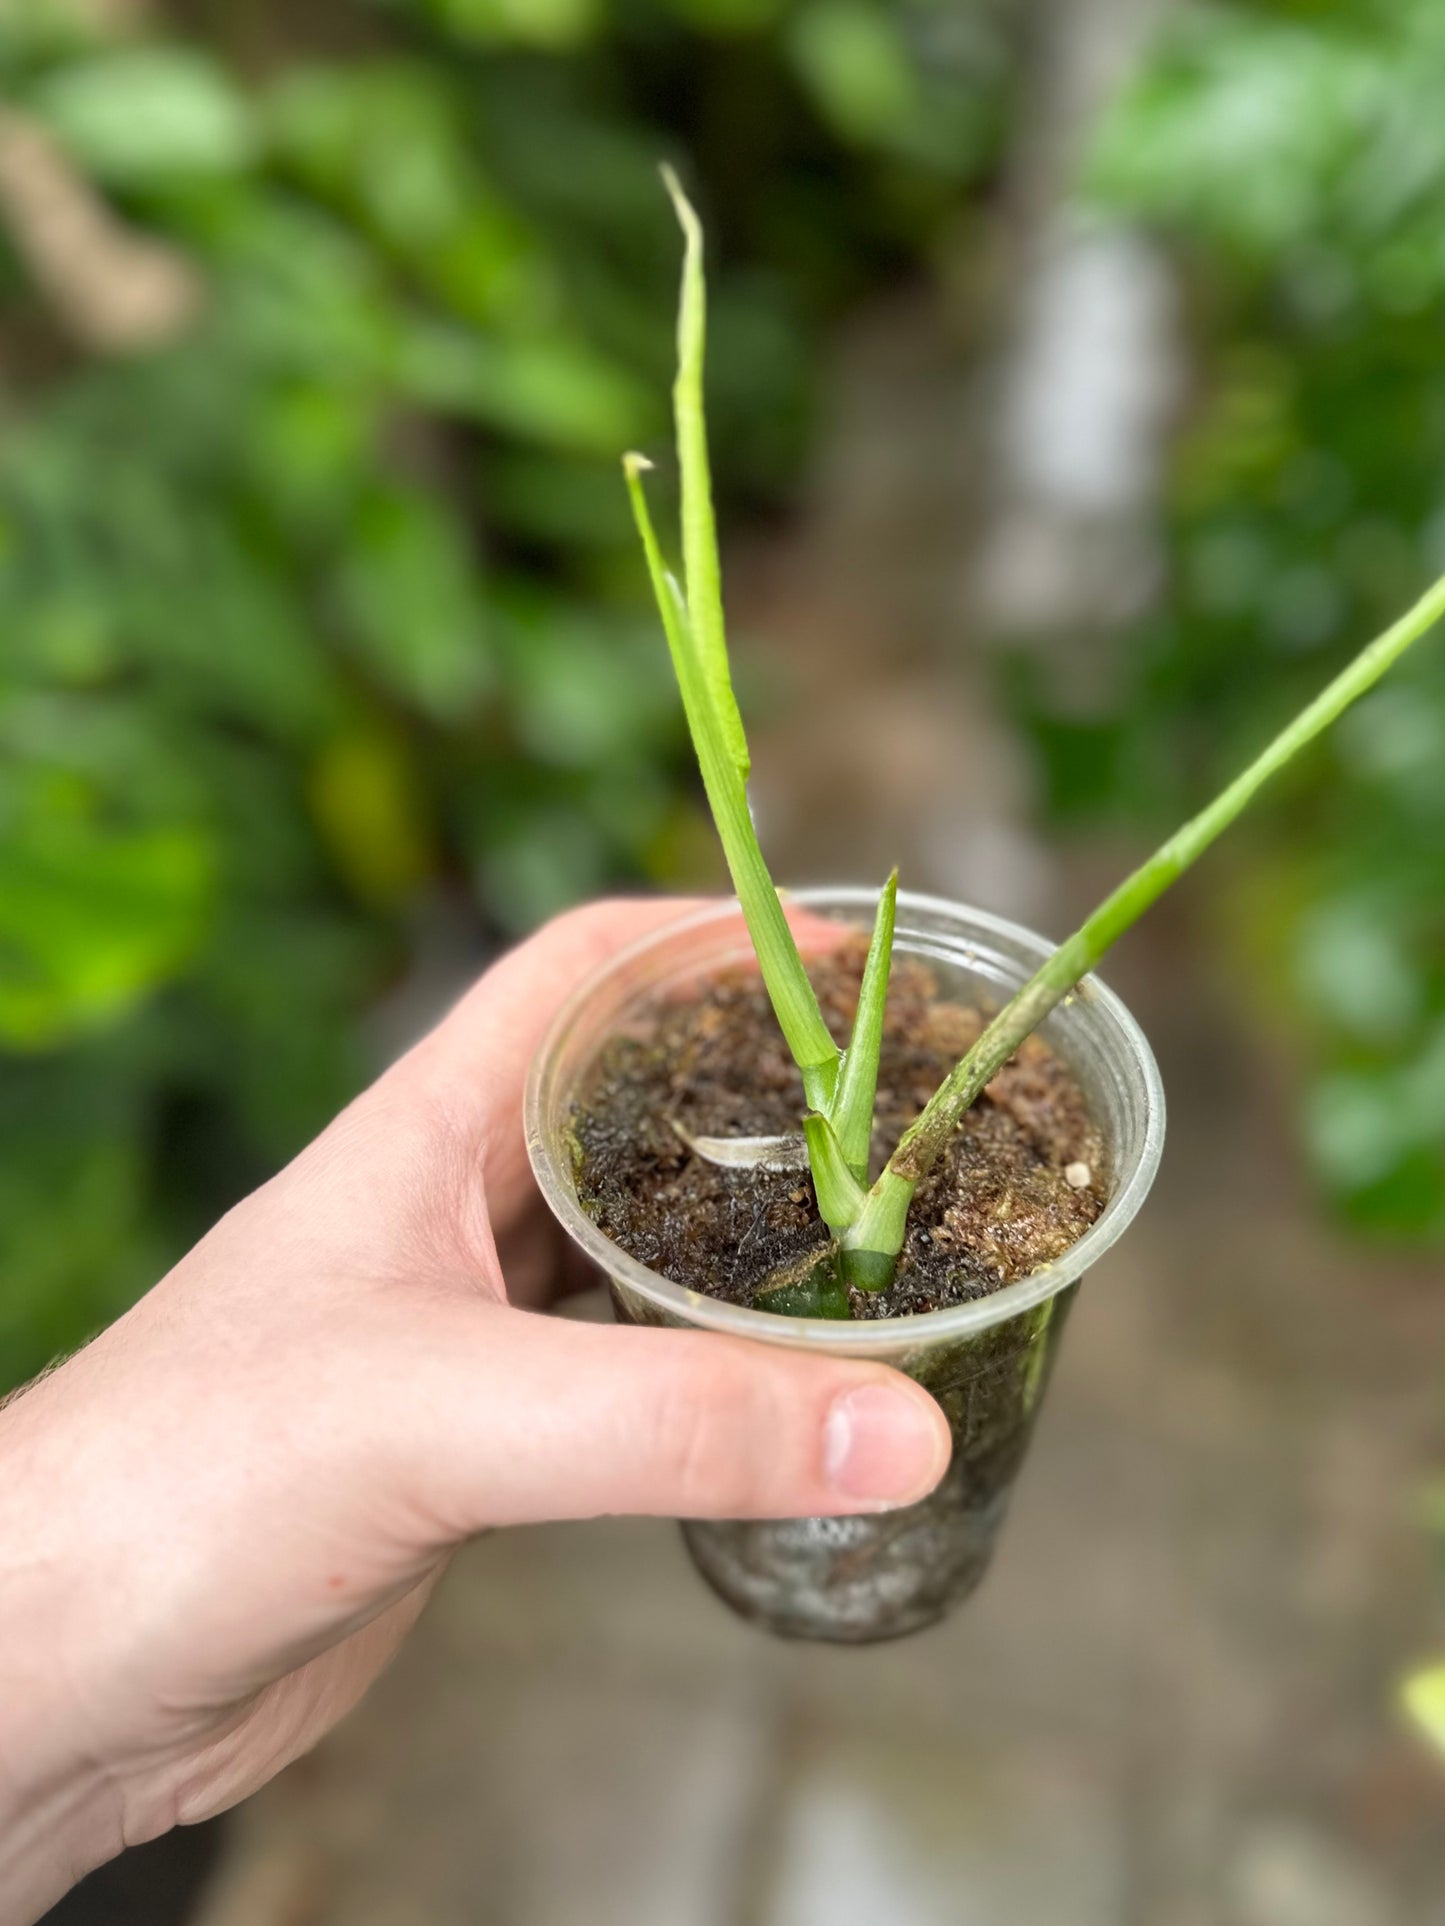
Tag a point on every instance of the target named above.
point(879, 1226)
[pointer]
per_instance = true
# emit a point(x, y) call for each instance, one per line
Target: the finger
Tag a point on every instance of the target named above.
point(475, 1063)
point(522, 1418)
point(483, 1048)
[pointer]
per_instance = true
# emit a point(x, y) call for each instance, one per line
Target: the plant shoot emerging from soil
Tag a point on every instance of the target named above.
point(868, 1224)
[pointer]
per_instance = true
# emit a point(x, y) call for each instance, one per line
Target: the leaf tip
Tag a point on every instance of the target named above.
point(686, 212)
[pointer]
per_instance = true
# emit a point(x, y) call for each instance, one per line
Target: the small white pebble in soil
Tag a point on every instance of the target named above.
point(1078, 1176)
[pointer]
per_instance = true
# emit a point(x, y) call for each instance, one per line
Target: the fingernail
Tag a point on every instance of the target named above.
point(881, 1447)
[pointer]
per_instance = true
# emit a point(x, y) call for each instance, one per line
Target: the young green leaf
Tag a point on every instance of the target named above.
point(699, 526)
point(852, 1112)
point(840, 1195)
point(813, 1049)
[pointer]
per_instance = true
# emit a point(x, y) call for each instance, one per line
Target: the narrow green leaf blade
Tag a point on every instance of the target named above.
point(670, 604)
point(789, 990)
point(840, 1195)
point(852, 1112)
point(699, 527)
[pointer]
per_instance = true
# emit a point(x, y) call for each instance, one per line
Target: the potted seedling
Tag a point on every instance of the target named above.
point(864, 1122)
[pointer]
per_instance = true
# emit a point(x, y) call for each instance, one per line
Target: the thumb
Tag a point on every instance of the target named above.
point(530, 1418)
point(481, 1050)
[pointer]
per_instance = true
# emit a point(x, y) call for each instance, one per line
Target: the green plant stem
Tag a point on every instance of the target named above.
point(724, 780)
point(879, 1228)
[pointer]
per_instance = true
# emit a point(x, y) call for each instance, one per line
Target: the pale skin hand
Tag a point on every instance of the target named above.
point(218, 1522)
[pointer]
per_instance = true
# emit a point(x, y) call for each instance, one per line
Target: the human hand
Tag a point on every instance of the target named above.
point(218, 1521)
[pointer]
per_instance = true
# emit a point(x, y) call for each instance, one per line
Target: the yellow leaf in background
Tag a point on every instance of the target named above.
point(1423, 1696)
point(365, 802)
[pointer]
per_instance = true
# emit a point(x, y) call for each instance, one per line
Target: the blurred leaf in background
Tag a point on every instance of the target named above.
point(320, 626)
point(1293, 158)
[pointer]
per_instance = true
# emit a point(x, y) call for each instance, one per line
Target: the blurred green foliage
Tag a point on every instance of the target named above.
point(1294, 156)
point(320, 627)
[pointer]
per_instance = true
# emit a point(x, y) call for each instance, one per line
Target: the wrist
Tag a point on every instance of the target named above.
point(61, 1812)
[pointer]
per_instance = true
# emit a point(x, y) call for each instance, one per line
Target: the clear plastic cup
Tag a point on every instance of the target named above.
point(879, 1575)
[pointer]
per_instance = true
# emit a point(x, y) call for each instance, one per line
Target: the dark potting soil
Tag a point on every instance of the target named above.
point(997, 1206)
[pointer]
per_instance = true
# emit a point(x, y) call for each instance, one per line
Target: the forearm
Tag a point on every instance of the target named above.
point(59, 1816)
